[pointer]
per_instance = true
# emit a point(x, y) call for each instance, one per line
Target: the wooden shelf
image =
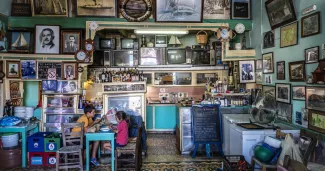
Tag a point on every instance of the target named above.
point(234, 55)
point(37, 56)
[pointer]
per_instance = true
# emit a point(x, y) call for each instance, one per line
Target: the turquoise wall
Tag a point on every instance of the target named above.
point(31, 94)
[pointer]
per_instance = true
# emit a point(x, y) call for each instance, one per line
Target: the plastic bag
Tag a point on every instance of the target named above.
point(290, 148)
point(10, 121)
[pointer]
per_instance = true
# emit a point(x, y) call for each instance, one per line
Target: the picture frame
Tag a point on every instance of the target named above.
point(70, 41)
point(241, 9)
point(283, 92)
point(297, 71)
point(49, 70)
point(49, 85)
point(268, 66)
point(310, 25)
point(259, 77)
point(165, 12)
point(280, 68)
point(135, 10)
point(20, 41)
point(67, 86)
point(21, 9)
point(152, 15)
point(299, 92)
point(48, 8)
point(247, 71)
point(313, 96)
point(212, 10)
point(69, 70)
point(268, 79)
point(280, 12)
point(312, 55)
point(316, 120)
point(47, 39)
point(284, 112)
point(2, 73)
point(13, 69)
point(270, 90)
point(259, 64)
point(107, 8)
point(302, 118)
point(28, 69)
point(289, 35)
point(269, 39)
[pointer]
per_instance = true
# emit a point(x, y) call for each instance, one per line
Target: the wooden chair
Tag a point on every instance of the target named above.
point(70, 147)
point(133, 149)
point(292, 165)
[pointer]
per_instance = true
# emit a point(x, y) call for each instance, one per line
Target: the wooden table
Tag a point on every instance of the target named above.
point(99, 136)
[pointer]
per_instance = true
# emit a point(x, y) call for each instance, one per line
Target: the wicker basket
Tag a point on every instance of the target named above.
point(202, 39)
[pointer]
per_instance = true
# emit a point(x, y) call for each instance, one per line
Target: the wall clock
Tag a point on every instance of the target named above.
point(89, 45)
point(240, 28)
point(139, 10)
point(225, 34)
point(80, 55)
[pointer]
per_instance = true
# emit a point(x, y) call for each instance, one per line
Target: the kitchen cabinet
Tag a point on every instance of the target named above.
point(161, 117)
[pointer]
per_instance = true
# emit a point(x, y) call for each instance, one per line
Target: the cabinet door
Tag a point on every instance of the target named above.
point(165, 117)
point(149, 117)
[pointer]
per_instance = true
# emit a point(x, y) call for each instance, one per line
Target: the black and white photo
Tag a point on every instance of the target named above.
point(284, 112)
point(298, 92)
point(315, 98)
point(67, 86)
point(96, 8)
point(47, 39)
point(312, 55)
point(280, 70)
point(269, 91)
point(28, 69)
point(310, 25)
point(297, 71)
point(259, 77)
point(70, 71)
point(49, 85)
point(283, 92)
point(70, 41)
point(268, 39)
point(50, 8)
point(302, 118)
point(268, 79)
point(280, 12)
point(247, 71)
point(13, 69)
point(259, 64)
point(216, 9)
point(268, 66)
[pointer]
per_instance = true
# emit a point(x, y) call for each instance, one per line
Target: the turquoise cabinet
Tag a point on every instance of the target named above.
point(161, 117)
point(149, 117)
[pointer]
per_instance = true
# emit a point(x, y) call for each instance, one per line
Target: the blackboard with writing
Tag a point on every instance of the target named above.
point(49, 70)
point(241, 10)
point(206, 124)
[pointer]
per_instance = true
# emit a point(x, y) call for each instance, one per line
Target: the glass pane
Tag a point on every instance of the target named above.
point(163, 79)
point(148, 77)
point(202, 78)
point(59, 104)
point(58, 119)
point(182, 78)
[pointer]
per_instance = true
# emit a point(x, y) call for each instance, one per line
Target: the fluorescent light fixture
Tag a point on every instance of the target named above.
point(161, 32)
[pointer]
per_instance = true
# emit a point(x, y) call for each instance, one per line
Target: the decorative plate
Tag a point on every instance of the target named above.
point(136, 11)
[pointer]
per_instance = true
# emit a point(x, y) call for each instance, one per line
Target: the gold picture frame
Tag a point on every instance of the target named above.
point(49, 8)
point(289, 35)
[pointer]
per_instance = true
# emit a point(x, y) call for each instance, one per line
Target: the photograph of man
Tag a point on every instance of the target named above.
point(247, 71)
point(69, 71)
point(13, 69)
point(28, 69)
point(69, 87)
point(48, 39)
point(71, 44)
point(49, 85)
point(73, 87)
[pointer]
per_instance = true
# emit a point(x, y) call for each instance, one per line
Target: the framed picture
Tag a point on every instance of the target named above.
point(247, 72)
point(283, 92)
point(259, 64)
point(20, 41)
point(289, 35)
point(280, 70)
point(50, 8)
point(268, 63)
point(284, 112)
point(268, 79)
point(316, 120)
point(268, 39)
point(67, 86)
point(314, 98)
point(28, 69)
point(13, 69)
point(259, 77)
point(310, 25)
point(70, 70)
point(213, 9)
point(21, 8)
point(312, 55)
point(240, 9)
point(302, 118)
point(269, 90)
point(280, 12)
point(135, 10)
point(70, 41)
point(182, 11)
point(49, 85)
point(297, 71)
point(119, 15)
point(298, 92)
point(107, 8)
point(47, 39)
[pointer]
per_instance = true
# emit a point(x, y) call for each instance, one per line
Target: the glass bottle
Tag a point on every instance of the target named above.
point(103, 76)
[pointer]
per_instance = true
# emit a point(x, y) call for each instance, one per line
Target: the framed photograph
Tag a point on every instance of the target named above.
point(50, 8)
point(240, 9)
point(259, 77)
point(13, 69)
point(269, 90)
point(49, 85)
point(219, 9)
point(259, 64)
point(135, 10)
point(302, 118)
point(21, 8)
point(316, 120)
point(20, 41)
point(280, 12)
point(298, 93)
point(182, 11)
point(268, 63)
point(312, 55)
point(70, 41)
point(70, 70)
point(310, 25)
point(297, 71)
point(107, 8)
point(280, 70)
point(268, 79)
point(315, 98)
point(47, 39)
point(67, 86)
point(28, 69)
point(247, 72)
point(284, 112)
point(289, 35)
point(283, 92)
point(269, 39)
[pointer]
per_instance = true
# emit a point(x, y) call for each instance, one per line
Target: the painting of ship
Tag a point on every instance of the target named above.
point(20, 43)
point(136, 8)
point(95, 4)
point(104, 8)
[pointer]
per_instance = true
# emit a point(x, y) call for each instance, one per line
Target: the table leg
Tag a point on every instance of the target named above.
point(112, 157)
point(23, 137)
point(87, 154)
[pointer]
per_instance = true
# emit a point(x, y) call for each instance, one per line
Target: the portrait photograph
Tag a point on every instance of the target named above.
point(50, 7)
point(70, 71)
point(268, 39)
point(20, 41)
point(298, 92)
point(13, 69)
point(312, 55)
point(280, 68)
point(302, 118)
point(315, 98)
point(47, 39)
point(297, 71)
point(49, 85)
point(247, 71)
point(269, 90)
point(179, 11)
point(259, 77)
point(268, 63)
point(284, 112)
point(316, 121)
point(107, 8)
point(259, 64)
point(283, 92)
point(28, 69)
point(70, 41)
point(310, 25)
point(241, 9)
point(289, 35)
point(67, 86)
point(216, 9)
point(268, 79)
point(280, 12)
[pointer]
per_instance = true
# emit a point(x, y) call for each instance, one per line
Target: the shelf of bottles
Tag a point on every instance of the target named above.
point(110, 75)
point(124, 87)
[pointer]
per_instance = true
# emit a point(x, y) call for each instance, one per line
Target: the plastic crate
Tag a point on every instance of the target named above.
point(52, 142)
point(36, 141)
point(231, 163)
point(49, 159)
point(36, 158)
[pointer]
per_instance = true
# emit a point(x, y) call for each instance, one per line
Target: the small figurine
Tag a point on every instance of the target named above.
point(310, 79)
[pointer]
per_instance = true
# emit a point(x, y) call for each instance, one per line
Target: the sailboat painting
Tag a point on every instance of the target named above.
point(179, 10)
point(19, 41)
point(103, 8)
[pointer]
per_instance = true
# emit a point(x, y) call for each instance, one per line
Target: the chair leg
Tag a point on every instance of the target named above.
point(57, 161)
point(253, 163)
point(263, 168)
point(66, 160)
point(115, 159)
point(81, 159)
